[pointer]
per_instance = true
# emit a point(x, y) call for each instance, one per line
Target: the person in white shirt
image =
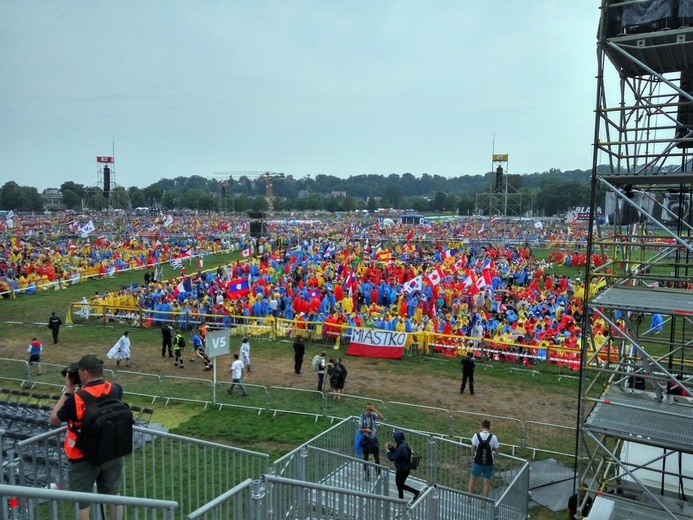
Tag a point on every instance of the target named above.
point(244, 353)
point(237, 372)
point(485, 446)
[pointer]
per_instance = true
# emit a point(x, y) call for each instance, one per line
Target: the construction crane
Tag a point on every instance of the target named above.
point(266, 177)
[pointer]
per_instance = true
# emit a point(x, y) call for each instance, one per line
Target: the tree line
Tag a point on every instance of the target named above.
point(545, 193)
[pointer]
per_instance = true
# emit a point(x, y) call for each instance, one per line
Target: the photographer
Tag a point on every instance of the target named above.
point(87, 373)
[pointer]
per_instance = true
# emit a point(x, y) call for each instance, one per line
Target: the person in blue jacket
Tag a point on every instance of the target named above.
point(401, 455)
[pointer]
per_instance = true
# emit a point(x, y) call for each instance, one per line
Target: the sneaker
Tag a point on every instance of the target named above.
point(182, 366)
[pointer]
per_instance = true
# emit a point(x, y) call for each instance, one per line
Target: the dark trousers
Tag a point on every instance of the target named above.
point(376, 459)
point(298, 363)
point(166, 343)
point(467, 377)
point(321, 380)
point(400, 481)
point(55, 335)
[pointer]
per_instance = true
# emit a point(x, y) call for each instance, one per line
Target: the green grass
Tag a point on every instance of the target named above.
point(266, 433)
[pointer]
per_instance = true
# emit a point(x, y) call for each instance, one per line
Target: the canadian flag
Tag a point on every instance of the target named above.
point(415, 284)
point(470, 281)
point(484, 280)
point(434, 277)
point(247, 252)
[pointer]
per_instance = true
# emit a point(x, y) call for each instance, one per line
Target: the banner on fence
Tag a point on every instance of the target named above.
point(377, 343)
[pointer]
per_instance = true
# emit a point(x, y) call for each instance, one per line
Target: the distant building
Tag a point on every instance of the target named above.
point(338, 194)
point(52, 199)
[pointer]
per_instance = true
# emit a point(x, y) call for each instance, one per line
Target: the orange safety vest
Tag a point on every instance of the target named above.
point(70, 442)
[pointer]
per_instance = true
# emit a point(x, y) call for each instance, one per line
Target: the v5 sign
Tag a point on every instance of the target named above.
point(218, 343)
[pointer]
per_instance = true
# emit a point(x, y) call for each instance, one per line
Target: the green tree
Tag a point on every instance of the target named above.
point(137, 197)
point(20, 198)
point(152, 195)
point(259, 203)
point(169, 200)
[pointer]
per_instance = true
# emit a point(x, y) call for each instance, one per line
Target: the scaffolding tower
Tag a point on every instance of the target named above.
point(502, 200)
point(635, 441)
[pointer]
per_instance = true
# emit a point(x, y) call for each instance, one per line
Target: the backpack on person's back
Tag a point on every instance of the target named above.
point(317, 361)
point(106, 428)
point(484, 452)
point(414, 458)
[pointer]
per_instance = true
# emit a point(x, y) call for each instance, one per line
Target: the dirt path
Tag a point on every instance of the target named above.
point(526, 399)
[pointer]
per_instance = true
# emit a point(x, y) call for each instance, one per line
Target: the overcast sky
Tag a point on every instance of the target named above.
point(294, 86)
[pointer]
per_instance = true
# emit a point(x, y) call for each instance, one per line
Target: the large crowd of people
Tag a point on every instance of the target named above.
point(461, 277)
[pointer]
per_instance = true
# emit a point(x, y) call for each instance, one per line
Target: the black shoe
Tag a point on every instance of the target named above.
point(471, 393)
point(416, 496)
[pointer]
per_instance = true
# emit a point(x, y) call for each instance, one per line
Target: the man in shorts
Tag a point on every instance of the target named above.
point(484, 447)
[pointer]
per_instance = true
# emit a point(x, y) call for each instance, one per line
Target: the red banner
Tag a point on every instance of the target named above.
point(104, 159)
point(377, 343)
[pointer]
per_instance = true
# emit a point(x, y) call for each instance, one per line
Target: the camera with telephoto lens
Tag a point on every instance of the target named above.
point(73, 373)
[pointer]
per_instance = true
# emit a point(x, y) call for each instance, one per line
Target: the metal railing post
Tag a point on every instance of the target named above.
point(257, 498)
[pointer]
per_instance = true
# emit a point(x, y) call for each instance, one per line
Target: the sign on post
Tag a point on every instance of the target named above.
point(218, 342)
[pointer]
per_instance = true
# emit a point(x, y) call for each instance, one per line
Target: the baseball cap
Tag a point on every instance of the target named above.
point(90, 362)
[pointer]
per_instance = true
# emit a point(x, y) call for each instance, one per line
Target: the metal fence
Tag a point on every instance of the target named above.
point(528, 439)
point(163, 466)
point(328, 460)
point(18, 502)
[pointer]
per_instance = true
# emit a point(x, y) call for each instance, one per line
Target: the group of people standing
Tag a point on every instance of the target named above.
point(485, 446)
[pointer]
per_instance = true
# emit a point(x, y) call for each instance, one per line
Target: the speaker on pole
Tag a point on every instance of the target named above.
point(106, 181)
point(257, 224)
point(499, 179)
point(684, 114)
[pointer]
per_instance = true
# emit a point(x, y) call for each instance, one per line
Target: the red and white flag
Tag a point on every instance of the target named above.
point(470, 281)
point(247, 252)
point(377, 343)
point(434, 277)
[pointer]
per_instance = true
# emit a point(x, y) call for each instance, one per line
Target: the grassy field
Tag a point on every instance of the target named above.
point(275, 435)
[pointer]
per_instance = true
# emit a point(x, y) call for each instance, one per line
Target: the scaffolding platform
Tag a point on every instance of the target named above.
point(663, 51)
point(662, 300)
point(658, 179)
point(637, 417)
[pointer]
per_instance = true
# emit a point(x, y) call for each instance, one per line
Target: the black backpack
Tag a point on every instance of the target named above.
point(484, 452)
point(106, 428)
point(414, 458)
